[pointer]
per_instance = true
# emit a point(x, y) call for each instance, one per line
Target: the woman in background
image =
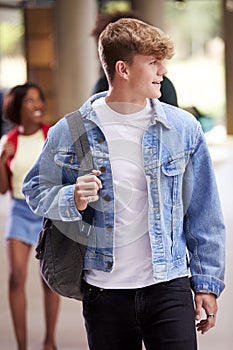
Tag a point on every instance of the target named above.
point(24, 105)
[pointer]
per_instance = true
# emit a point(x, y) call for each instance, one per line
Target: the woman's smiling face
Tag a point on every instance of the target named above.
point(33, 107)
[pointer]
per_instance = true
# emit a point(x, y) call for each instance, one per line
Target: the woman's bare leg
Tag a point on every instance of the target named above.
point(18, 254)
point(51, 308)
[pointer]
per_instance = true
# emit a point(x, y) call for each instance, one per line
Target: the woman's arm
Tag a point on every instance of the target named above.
point(7, 150)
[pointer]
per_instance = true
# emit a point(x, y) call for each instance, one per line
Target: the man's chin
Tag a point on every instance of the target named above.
point(155, 95)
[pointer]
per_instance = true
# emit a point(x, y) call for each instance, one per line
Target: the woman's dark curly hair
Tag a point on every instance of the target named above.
point(13, 101)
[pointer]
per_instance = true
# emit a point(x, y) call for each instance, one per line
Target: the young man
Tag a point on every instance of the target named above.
point(157, 210)
point(167, 89)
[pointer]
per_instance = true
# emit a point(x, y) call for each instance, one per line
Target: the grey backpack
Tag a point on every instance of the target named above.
point(61, 246)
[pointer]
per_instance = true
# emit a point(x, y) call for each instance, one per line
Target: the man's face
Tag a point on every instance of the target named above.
point(145, 75)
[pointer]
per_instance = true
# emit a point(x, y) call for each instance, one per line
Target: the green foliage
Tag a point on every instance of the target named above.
point(201, 16)
point(197, 69)
point(112, 6)
point(11, 36)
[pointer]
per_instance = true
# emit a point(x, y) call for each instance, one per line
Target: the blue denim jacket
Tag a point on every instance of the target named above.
point(186, 228)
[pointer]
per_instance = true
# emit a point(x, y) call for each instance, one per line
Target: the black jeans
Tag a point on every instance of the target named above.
point(162, 316)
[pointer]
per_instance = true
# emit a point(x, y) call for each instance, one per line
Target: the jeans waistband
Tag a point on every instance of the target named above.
point(127, 291)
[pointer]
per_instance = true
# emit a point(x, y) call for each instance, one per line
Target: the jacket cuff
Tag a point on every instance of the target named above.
point(66, 205)
point(207, 284)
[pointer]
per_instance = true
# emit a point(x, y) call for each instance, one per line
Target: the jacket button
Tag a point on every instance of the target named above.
point(109, 229)
point(107, 198)
point(102, 169)
point(100, 140)
point(109, 264)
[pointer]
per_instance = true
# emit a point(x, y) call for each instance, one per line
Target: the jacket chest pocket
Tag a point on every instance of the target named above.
point(172, 174)
point(68, 164)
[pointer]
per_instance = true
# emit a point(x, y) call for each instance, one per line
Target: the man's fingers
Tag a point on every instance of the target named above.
point(204, 325)
point(86, 189)
point(91, 199)
point(198, 310)
point(89, 180)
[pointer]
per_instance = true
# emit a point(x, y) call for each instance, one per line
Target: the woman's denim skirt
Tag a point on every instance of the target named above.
point(23, 224)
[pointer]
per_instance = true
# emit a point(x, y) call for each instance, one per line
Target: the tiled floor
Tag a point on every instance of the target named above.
point(71, 334)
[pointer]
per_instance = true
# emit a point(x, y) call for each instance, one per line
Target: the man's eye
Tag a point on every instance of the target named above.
point(153, 62)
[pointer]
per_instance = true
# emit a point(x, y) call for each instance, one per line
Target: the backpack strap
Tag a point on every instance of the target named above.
point(83, 153)
point(45, 129)
point(81, 144)
point(12, 136)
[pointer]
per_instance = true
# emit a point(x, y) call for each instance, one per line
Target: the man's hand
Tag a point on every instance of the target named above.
point(208, 302)
point(86, 189)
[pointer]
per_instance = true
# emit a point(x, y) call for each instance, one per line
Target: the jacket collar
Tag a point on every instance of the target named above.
point(159, 115)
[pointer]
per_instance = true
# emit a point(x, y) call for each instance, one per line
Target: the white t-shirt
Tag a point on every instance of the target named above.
point(132, 250)
point(28, 149)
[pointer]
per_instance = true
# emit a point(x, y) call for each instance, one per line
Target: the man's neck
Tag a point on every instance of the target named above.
point(123, 103)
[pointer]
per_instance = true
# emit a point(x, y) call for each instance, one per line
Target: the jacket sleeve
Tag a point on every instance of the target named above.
point(47, 191)
point(203, 224)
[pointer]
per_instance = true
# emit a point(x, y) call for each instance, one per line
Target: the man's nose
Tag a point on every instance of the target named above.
point(162, 69)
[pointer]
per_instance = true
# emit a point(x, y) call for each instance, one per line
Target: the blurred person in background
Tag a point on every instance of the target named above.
point(1, 99)
point(168, 91)
point(6, 125)
point(24, 105)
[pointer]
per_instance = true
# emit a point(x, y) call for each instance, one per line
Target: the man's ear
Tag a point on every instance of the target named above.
point(121, 69)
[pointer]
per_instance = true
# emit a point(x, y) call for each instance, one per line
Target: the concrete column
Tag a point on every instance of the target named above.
point(76, 52)
point(228, 30)
point(150, 10)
